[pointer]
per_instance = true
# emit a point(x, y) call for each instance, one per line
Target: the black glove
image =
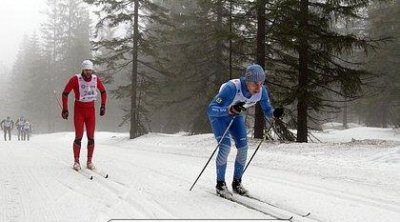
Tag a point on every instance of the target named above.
point(238, 108)
point(65, 114)
point(102, 110)
point(278, 112)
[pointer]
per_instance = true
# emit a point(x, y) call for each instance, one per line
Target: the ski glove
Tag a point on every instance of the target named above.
point(278, 112)
point(102, 110)
point(65, 114)
point(237, 109)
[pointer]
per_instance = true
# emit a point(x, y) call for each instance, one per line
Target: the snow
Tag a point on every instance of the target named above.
point(333, 132)
point(352, 176)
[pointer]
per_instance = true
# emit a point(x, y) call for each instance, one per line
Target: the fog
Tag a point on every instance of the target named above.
point(171, 58)
point(18, 18)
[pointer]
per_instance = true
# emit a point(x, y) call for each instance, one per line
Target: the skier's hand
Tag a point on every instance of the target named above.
point(65, 114)
point(102, 110)
point(278, 112)
point(237, 109)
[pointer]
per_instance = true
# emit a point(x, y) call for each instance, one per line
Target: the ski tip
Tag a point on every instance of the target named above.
point(306, 215)
point(289, 219)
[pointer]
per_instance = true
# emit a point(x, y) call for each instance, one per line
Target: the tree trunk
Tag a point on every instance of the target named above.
point(259, 115)
point(53, 66)
point(133, 133)
point(220, 73)
point(302, 106)
point(345, 116)
point(384, 116)
point(230, 39)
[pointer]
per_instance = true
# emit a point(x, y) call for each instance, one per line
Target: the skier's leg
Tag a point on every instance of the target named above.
point(5, 134)
point(219, 125)
point(9, 133)
point(19, 134)
point(239, 134)
point(90, 122)
point(78, 124)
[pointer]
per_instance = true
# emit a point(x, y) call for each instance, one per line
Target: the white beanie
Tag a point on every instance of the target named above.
point(87, 64)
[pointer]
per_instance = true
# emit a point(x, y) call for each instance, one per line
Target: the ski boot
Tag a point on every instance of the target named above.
point(76, 166)
point(90, 165)
point(222, 190)
point(238, 188)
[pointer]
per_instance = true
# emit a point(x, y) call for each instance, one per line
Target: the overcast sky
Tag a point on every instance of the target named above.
point(17, 17)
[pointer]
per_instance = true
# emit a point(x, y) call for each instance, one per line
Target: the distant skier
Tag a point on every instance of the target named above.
point(26, 130)
point(231, 100)
point(85, 86)
point(7, 125)
point(20, 124)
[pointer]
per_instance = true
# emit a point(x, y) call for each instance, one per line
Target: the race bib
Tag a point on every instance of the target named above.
point(87, 90)
point(7, 124)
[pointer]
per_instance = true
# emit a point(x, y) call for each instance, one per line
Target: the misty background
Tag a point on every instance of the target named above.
point(164, 60)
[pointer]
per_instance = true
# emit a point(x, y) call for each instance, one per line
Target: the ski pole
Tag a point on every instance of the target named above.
point(215, 150)
point(259, 145)
point(58, 100)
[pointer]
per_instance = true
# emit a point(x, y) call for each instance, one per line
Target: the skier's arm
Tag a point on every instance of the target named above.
point(70, 85)
point(1, 124)
point(103, 92)
point(219, 106)
point(266, 104)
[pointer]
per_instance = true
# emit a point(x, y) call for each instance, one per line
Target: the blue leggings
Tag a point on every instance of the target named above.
point(238, 132)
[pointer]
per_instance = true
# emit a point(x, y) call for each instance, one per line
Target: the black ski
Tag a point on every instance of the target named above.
point(84, 173)
point(273, 205)
point(233, 199)
point(100, 172)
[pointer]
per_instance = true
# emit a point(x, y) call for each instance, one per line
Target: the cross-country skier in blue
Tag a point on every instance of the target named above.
point(234, 96)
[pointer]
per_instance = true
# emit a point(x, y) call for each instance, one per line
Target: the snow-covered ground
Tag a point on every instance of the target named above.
point(353, 176)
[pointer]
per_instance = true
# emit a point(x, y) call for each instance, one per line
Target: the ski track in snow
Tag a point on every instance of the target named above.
point(341, 180)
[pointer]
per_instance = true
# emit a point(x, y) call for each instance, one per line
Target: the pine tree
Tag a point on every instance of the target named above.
point(308, 56)
point(46, 60)
point(5, 89)
point(381, 106)
point(206, 47)
point(27, 91)
point(261, 33)
point(133, 51)
point(65, 44)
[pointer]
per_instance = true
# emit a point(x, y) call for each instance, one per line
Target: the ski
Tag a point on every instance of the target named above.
point(235, 200)
point(100, 172)
point(84, 173)
point(307, 214)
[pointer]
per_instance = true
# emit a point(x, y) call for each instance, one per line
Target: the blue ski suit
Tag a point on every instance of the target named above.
point(231, 93)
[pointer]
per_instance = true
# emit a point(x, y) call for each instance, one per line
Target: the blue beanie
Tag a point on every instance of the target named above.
point(255, 73)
